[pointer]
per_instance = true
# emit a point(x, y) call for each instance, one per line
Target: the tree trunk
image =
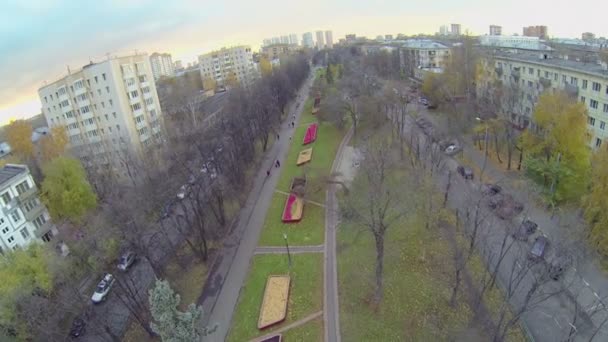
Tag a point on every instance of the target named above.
point(379, 267)
point(497, 147)
point(521, 157)
point(455, 288)
point(509, 154)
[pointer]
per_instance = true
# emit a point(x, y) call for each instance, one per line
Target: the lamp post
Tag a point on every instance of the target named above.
point(287, 246)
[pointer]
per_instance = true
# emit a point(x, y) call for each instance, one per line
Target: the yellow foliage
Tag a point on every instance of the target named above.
point(19, 137)
point(231, 80)
point(209, 83)
point(594, 203)
point(265, 66)
point(53, 145)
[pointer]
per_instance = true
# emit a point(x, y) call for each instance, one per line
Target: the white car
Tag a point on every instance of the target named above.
point(103, 288)
point(182, 192)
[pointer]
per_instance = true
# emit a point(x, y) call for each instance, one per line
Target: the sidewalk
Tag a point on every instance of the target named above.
point(228, 273)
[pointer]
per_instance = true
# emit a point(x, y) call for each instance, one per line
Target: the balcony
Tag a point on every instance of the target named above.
point(45, 228)
point(33, 213)
point(27, 194)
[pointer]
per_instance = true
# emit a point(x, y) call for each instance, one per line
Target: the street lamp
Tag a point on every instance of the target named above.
point(287, 246)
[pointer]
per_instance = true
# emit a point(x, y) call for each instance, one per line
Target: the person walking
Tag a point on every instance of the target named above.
point(278, 137)
point(267, 173)
point(277, 163)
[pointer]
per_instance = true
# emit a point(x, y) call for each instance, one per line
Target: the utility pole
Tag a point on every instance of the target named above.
point(288, 254)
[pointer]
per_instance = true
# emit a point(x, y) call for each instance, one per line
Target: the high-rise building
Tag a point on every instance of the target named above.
point(223, 64)
point(275, 40)
point(284, 39)
point(293, 39)
point(455, 29)
point(443, 30)
point(307, 40)
point(109, 109)
point(178, 65)
point(588, 36)
point(162, 65)
point(329, 39)
point(495, 30)
point(266, 42)
point(539, 31)
point(320, 43)
point(23, 218)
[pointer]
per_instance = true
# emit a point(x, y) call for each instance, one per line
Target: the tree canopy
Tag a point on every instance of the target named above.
point(19, 137)
point(594, 203)
point(65, 189)
point(54, 144)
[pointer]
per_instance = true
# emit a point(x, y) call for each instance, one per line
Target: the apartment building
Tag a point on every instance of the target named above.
point(225, 63)
point(495, 30)
point(278, 51)
point(307, 40)
point(455, 29)
point(108, 108)
point(539, 31)
point(533, 73)
point(422, 54)
point(515, 42)
point(23, 218)
point(587, 36)
point(320, 42)
point(329, 39)
point(293, 39)
point(162, 65)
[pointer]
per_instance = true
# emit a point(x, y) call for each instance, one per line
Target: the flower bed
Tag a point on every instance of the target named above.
point(304, 157)
point(274, 304)
point(294, 206)
point(273, 338)
point(311, 134)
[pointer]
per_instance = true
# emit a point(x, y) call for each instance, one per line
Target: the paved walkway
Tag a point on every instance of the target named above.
point(290, 326)
point(292, 249)
point(230, 269)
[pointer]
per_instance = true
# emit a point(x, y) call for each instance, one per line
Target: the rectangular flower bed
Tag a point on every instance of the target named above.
point(273, 338)
point(294, 206)
point(274, 304)
point(304, 157)
point(311, 134)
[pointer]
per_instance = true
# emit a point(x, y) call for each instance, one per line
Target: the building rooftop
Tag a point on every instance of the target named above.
point(8, 171)
point(538, 58)
point(423, 44)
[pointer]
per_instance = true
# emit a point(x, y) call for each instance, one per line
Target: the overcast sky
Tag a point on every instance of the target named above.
point(39, 38)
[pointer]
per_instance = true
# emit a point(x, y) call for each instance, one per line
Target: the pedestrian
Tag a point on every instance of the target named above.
point(278, 137)
point(277, 164)
point(293, 124)
point(294, 117)
point(290, 138)
point(267, 173)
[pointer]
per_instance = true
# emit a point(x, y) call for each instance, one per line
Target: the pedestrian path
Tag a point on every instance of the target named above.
point(292, 250)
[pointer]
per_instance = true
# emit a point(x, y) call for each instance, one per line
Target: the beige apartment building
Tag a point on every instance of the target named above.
point(109, 109)
point(423, 54)
point(277, 51)
point(533, 73)
point(162, 65)
point(229, 62)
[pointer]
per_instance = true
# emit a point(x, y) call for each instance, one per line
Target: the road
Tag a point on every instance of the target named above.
point(551, 319)
point(228, 273)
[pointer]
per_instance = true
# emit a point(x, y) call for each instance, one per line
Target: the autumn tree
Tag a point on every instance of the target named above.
point(65, 189)
point(54, 144)
point(19, 137)
point(594, 202)
point(209, 83)
point(265, 66)
point(432, 88)
point(231, 80)
point(558, 155)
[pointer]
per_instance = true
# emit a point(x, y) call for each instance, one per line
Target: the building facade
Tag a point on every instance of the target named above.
point(532, 74)
point(278, 51)
point(455, 29)
point(515, 42)
point(307, 40)
point(293, 39)
point(226, 63)
point(162, 65)
point(422, 54)
point(495, 30)
point(109, 109)
point(587, 36)
point(329, 39)
point(23, 218)
point(284, 39)
point(539, 31)
point(320, 42)
point(443, 30)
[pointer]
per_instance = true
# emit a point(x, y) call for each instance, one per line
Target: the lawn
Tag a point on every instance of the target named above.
point(309, 231)
point(311, 331)
point(305, 297)
point(417, 286)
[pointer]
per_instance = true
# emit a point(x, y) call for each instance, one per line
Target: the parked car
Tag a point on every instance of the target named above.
point(103, 289)
point(452, 149)
point(126, 260)
point(558, 266)
point(526, 229)
point(537, 252)
point(465, 172)
point(182, 192)
point(78, 327)
point(490, 189)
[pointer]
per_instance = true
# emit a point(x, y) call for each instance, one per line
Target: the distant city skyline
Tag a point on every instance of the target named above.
point(35, 34)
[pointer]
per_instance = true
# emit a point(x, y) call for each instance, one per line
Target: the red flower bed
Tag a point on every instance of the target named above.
point(293, 209)
point(311, 134)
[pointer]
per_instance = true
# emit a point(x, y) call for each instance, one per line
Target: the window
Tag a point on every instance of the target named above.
point(96, 79)
point(591, 121)
point(99, 92)
point(22, 187)
point(77, 85)
point(153, 112)
point(64, 103)
point(136, 106)
point(103, 76)
point(134, 94)
point(46, 100)
point(5, 230)
point(85, 109)
point(6, 198)
point(142, 78)
point(546, 74)
point(103, 105)
point(564, 79)
point(24, 233)
point(39, 221)
point(108, 90)
point(593, 103)
point(62, 91)
point(81, 97)
point(605, 107)
point(89, 83)
point(598, 142)
point(10, 239)
point(15, 216)
point(583, 99)
point(130, 81)
point(106, 115)
point(596, 86)
point(114, 114)
point(139, 119)
point(51, 97)
point(574, 80)
point(69, 114)
point(555, 77)
point(111, 103)
point(149, 102)
point(530, 84)
point(118, 128)
point(110, 129)
point(602, 125)
point(29, 205)
point(584, 84)
point(145, 90)
point(95, 106)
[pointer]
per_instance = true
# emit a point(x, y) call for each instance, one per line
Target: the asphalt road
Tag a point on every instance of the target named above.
point(553, 317)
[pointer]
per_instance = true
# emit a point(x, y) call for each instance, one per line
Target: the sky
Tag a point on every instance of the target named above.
point(39, 39)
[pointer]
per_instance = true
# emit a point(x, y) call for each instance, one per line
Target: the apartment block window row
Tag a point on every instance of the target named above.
point(5, 230)
point(591, 121)
point(593, 103)
point(136, 106)
point(596, 86)
point(142, 131)
point(15, 216)
point(22, 187)
point(39, 221)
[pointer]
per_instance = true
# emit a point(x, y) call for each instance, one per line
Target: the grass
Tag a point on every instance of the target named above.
point(305, 297)
point(311, 331)
point(309, 231)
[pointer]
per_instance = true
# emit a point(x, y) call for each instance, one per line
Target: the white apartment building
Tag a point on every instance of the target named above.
point(329, 39)
point(423, 54)
point(284, 39)
point(307, 40)
point(515, 42)
point(455, 29)
point(320, 41)
point(162, 65)
point(23, 218)
point(495, 30)
point(108, 108)
point(221, 64)
point(534, 73)
point(293, 39)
